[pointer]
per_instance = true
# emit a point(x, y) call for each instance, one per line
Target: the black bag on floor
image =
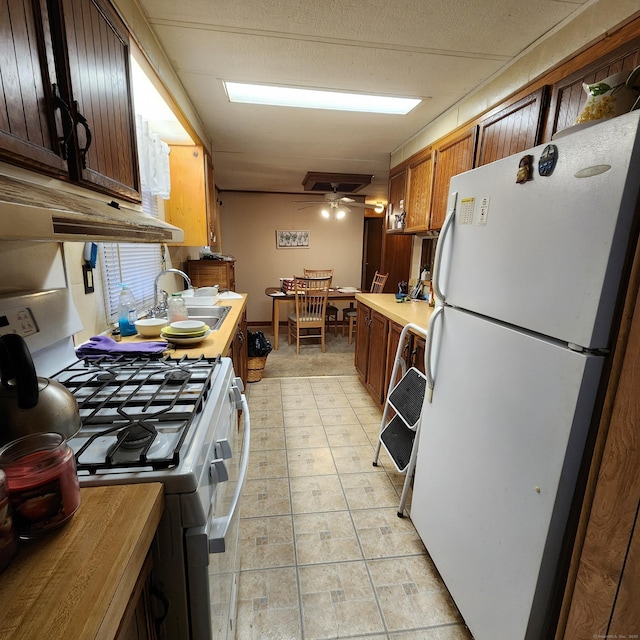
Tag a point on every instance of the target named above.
point(257, 344)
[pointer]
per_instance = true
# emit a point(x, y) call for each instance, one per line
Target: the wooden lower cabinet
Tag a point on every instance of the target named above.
point(208, 273)
point(395, 330)
point(238, 350)
point(372, 329)
point(418, 346)
point(362, 339)
point(138, 622)
point(377, 340)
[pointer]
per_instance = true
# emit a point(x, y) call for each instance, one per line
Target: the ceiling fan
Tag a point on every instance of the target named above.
point(338, 204)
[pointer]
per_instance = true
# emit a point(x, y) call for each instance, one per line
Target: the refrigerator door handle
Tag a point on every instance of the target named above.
point(427, 352)
point(453, 198)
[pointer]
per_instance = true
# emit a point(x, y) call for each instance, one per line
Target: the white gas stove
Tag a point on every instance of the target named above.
point(165, 420)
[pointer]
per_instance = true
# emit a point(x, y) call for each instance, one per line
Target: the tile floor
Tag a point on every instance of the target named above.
point(324, 554)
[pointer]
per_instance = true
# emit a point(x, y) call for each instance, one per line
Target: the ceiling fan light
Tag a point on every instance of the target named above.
point(325, 213)
point(340, 213)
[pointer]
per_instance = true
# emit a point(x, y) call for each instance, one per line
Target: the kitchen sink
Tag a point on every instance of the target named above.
point(213, 316)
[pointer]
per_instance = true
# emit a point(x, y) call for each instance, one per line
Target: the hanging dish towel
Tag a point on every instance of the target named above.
point(104, 345)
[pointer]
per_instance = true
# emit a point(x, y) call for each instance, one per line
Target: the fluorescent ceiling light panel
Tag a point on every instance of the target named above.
point(315, 99)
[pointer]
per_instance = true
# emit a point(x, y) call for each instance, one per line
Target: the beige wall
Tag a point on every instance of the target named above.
point(249, 222)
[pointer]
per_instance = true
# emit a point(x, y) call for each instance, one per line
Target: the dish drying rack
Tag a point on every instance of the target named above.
point(399, 433)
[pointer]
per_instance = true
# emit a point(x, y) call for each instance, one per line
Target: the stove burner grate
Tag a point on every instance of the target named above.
point(129, 400)
point(137, 436)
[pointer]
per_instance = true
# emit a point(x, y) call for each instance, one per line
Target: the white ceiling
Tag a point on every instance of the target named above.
point(438, 50)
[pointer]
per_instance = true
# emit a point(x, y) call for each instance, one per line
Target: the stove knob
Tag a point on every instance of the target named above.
point(218, 471)
point(222, 449)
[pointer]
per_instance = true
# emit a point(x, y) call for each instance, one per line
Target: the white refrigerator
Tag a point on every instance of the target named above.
point(527, 277)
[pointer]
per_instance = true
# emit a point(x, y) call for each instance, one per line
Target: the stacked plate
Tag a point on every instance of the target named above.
point(186, 332)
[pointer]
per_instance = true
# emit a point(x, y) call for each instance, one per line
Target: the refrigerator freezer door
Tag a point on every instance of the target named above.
point(547, 254)
point(500, 446)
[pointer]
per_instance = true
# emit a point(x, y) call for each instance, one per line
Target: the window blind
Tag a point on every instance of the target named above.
point(135, 264)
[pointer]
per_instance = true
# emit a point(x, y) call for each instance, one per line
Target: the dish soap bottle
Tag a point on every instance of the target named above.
point(177, 309)
point(127, 314)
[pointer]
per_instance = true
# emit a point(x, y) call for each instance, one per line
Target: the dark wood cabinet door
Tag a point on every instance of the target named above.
point(392, 346)
point(28, 134)
point(396, 259)
point(362, 340)
point(240, 353)
point(418, 347)
point(238, 350)
point(96, 45)
point(452, 157)
point(513, 129)
point(376, 371)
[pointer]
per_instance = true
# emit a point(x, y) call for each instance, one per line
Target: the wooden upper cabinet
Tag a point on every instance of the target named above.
point(192, 203)
point(451, 158)
point(419, 193)
point(397, 194)
point(99, 89)
point(513, 129)
point(66, 104)
point(569, 96)
point(28, 133)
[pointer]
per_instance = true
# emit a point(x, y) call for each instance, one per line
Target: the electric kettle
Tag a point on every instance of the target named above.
point(30, 404)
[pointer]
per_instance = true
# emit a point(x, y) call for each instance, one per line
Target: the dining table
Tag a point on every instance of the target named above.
point(278, 296)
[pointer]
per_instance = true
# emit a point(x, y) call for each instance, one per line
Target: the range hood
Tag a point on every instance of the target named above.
point(30, 211)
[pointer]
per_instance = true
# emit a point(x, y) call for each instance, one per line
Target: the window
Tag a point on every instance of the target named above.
point(138, 264)
point(135, 264)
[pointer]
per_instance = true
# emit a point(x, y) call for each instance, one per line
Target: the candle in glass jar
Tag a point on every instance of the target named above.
point(43, 483)
point(8, 537)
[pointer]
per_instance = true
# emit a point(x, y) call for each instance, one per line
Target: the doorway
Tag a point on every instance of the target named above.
point(372, 251)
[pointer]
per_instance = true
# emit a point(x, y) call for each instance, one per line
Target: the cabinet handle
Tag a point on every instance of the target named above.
point(82, 121)
point(67, 122)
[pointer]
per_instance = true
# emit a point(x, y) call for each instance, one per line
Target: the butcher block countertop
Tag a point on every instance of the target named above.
point(75, 583)
point(412, 311)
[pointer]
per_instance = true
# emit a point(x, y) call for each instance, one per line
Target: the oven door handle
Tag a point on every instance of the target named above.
point(219, 526)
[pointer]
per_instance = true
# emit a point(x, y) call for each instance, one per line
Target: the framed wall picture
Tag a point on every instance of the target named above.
point(292, 239)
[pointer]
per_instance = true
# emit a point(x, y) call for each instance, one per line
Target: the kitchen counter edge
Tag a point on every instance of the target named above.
point(415, 312)
point(76, 582)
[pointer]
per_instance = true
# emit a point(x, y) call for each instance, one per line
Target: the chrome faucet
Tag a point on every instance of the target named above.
point(159, 308)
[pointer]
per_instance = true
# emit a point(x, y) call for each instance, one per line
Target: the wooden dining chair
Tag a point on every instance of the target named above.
point(350, 314)
point(311, 308)
point(332, 310)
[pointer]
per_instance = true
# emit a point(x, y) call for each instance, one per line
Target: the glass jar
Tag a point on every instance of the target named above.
point(8, 537)
point(44, 491)
point(176, 308)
